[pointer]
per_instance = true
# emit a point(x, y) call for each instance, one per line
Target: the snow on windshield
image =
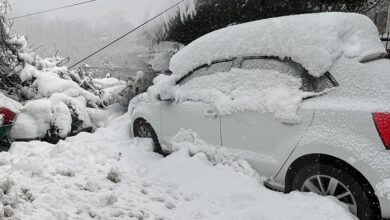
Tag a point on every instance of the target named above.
point(240, 90)
point(315, 41)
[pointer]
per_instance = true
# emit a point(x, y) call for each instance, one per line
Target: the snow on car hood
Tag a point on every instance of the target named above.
point(315, 41)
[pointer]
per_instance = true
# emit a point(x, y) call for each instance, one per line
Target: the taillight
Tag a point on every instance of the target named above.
point(382, 122)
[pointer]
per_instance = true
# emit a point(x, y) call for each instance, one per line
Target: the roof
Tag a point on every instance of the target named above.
point(315, 41)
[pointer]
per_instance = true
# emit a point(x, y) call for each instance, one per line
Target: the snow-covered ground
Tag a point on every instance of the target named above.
point(107, 175)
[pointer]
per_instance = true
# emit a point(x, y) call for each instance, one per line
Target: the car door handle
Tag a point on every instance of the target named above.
point(291, 122)
point(211, 114)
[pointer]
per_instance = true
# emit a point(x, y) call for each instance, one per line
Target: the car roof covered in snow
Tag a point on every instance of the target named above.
point(315, 41)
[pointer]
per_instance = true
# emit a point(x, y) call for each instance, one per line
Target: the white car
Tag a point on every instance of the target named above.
point(337, 146)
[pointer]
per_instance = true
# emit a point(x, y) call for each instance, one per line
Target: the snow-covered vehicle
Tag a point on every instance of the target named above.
point(305, 99)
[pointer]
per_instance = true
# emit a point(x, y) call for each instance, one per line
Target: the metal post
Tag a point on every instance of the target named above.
point(388, 19)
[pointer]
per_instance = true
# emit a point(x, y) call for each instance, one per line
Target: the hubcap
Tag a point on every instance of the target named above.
point(144, 132)
point(329, 186)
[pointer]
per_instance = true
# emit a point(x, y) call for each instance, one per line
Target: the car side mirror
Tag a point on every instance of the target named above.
point(164, 98)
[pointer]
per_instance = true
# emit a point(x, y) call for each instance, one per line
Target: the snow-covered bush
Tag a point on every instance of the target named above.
point(163, 54)
point(55, 99)
point(135, 86)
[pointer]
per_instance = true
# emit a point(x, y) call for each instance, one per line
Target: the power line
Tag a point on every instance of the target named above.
point(54, 9)
point(369, 8)
point(123, 36)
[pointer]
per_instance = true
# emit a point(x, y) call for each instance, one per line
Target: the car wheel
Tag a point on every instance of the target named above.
point(328, 180)
point(143, 129)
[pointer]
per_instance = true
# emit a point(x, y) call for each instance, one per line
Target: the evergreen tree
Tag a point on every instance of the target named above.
point(215, 14)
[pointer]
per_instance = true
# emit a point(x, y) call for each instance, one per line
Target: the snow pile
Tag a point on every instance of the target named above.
point(105, 83)
point(48, 84)
point(10, 104)
point(106, 175)
point(238, 90)
point(111, 88)
point(42, 115)
point(315, 41)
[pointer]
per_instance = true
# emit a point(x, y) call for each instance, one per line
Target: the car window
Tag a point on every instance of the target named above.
point(224, 66)
point(309, 83)
point(324, 82)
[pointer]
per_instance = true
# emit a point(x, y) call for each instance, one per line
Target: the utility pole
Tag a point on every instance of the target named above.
point(388, 20)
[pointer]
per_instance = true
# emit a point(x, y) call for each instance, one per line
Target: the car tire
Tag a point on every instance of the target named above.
point(144, 129)
point(341, 184)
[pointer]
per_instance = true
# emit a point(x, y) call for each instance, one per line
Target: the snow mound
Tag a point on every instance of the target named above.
point(69, 181)
point(10, 103)
point(238, 91)
point(315, 41)
point(105, 83)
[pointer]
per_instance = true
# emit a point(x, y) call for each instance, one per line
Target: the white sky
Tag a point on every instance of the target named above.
point(133, 11)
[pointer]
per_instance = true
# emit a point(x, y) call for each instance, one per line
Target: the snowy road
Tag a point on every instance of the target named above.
point(107, 175)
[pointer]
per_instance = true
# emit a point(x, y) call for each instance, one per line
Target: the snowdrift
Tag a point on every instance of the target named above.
point(106, 175)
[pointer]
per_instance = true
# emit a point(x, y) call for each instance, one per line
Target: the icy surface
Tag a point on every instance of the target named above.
point(107, 175)
point(315, 41)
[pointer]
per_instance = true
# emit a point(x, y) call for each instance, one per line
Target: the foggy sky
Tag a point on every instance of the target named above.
point(76, 32)
point(134, 11)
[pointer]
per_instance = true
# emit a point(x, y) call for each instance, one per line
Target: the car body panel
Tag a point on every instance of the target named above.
point(350, 136)
point(201, 118)
point(150, 112)
point(263, 134)
point(343, 125)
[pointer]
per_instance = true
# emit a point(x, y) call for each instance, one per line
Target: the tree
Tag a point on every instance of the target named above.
point(211, 15)
point(379, 14)
point(11, 61)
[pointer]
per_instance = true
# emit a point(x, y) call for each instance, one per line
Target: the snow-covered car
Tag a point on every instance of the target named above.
point(305, 99)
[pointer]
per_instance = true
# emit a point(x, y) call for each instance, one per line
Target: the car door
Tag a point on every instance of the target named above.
point(202, 118)
point(263, 140)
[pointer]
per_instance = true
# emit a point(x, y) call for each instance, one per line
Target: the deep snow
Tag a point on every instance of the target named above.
point(108, 175)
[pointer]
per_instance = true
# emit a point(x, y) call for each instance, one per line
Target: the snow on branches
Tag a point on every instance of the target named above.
point(56, 100)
